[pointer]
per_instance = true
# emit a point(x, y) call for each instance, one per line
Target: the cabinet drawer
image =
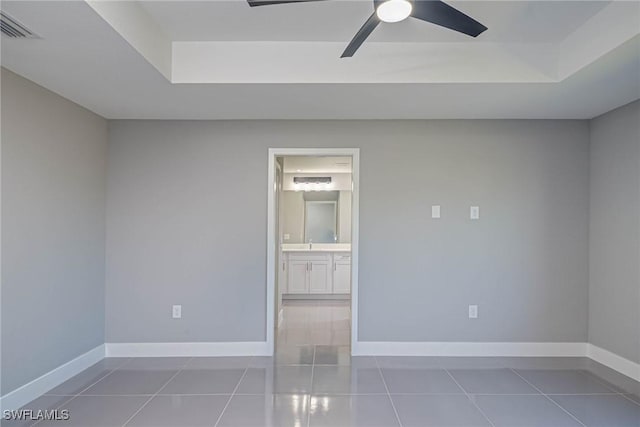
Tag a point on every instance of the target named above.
point(309, 257)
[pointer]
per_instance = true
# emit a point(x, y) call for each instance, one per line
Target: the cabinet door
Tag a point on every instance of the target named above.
point(297, 278)
point(342, 277)
point(319, 278)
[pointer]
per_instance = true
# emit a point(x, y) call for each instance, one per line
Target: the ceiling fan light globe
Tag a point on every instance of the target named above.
point(394, 10)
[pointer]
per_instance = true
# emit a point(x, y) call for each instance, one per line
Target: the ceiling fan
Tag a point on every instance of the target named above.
point(434, 11)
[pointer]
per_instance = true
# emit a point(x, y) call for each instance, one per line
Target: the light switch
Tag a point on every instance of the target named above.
point(474, 213)
point(435, 211)
point(287, 236)
point(473, 312)
point(176, 311)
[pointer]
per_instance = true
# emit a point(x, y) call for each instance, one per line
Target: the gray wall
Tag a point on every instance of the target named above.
point(614, 267)
point(293, 216)
point(344, 217)
point(179, 234)
point(53, 235)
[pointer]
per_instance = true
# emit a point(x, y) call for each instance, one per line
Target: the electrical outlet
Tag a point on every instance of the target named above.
point(177, 311)
point(474, 212)
point(435, 211)
point(287, 236)
point(473, 312)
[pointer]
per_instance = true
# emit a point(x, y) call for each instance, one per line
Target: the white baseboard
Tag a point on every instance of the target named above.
point(472, 349)
point(187, 349)
point(613, 361)
point(500, 349)
point(34, 389)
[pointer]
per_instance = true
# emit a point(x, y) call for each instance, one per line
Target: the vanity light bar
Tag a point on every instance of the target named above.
point(312, 180)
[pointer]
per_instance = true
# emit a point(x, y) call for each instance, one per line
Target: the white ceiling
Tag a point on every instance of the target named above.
point(317, 164)
point(338, 20)
point(126, 63)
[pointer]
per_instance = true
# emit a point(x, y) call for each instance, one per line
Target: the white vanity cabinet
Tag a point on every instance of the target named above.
point(309, 273)
point(319, 277)
point(298, 276)
point(341, 273)
point(320, 273)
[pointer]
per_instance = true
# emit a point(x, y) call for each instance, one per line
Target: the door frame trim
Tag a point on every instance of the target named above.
point(354, 153)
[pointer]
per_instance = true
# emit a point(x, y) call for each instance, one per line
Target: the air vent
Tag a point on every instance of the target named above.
point(312, 180)
point(12, 28)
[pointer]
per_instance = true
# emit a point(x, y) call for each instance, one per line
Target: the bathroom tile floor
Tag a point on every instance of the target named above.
point(311, 383)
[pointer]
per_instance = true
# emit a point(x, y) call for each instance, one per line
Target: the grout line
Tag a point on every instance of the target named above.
point(157, 392)
point(56, 395)
point(473, 402)
point(582, 394)
point(626, 396)
point(547, 397)
point(304, 365)
point(87, 387)
point(56, 407)
point(107, 373)
point(456, 394)
point(609, 386)
point(233, 393)
point(117, 395)
point(313, 364)
point(395, 411)
point(598, 380)
point(602, 381)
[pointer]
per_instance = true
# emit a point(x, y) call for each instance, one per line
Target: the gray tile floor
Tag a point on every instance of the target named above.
point(308, 384)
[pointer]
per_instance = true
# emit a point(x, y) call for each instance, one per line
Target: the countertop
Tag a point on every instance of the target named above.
point(316, 247)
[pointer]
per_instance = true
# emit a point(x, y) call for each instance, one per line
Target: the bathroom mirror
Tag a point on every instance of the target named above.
point(320, 221)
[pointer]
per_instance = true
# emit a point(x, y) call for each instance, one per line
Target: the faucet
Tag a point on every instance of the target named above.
point(310, 243)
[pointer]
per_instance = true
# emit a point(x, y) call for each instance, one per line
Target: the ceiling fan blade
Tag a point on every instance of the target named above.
point(361, 35)
point(253, 3)
point(442, 14)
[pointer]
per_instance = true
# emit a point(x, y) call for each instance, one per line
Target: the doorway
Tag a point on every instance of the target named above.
point(312, 252)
